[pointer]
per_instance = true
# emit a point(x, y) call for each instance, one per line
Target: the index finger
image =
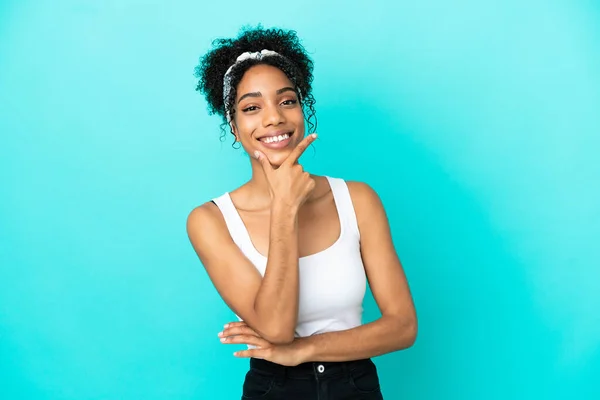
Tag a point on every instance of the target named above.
point(233, 324)
point(297, 152)
point(238, 330)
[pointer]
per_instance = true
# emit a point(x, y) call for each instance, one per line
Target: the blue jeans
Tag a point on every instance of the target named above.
point(352, 380)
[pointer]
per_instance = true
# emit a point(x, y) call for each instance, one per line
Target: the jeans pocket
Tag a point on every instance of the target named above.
point(364, 379)
point(257, 384)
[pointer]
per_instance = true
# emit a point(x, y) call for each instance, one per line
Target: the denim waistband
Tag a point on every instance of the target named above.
point(310, 369)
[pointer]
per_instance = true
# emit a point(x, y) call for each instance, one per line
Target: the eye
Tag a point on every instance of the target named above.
point(251, 108)
point(289, 102)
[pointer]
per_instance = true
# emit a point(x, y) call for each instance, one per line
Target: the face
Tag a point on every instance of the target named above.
point(268, 115)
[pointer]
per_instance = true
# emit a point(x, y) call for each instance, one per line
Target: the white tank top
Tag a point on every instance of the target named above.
point(332, 282)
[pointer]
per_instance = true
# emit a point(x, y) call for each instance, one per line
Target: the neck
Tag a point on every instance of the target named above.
point(258, 185)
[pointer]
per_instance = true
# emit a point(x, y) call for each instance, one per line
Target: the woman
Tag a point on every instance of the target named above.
point(290, 252)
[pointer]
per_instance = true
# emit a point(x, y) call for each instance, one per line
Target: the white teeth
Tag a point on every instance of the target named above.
point(275, 139)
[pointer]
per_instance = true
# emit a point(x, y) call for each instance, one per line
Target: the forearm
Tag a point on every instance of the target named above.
point(385, 335)
point(276, 302)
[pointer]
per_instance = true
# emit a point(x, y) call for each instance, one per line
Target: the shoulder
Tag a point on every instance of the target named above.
point(366, 202)
point(359, 191)
point(204, 218)
point(362, 194)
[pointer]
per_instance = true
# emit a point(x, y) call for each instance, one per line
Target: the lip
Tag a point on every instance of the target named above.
point(277, 145)
point(276, 133)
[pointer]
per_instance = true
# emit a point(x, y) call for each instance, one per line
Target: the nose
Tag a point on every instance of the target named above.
point(272, 115)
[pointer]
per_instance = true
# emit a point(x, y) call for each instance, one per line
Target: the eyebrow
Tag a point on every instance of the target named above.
point(259, 94)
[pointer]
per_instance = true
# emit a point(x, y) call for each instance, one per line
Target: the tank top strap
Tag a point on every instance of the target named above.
point(344, 205)
point(234, 222)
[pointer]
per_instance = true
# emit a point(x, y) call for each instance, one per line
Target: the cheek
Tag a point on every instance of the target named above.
point(298, 114)
point(297, 118)
point(245, 126)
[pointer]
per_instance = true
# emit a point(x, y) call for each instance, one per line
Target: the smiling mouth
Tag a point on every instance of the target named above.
point(275, 139)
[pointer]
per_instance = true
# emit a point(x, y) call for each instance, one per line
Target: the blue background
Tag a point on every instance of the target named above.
point(477, 122)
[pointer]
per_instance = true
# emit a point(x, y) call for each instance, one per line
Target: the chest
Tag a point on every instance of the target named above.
point(319, 227)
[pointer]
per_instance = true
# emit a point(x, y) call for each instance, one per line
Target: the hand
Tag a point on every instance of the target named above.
point(240, 333)
point(289, 183)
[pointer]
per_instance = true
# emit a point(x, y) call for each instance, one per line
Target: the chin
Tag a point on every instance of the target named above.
point(276, 158)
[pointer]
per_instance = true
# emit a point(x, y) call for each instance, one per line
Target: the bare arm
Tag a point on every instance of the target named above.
point(267, 304)
point(397, 327)
point(277, 297)
point(270, 304)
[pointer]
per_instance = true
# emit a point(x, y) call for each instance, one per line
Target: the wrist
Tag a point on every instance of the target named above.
point(304, 350)
point(282, 210)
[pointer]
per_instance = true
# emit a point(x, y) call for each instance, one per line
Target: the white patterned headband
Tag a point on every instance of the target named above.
point(257, 55)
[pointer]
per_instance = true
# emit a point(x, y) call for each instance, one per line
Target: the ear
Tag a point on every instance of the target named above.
point(234, 131)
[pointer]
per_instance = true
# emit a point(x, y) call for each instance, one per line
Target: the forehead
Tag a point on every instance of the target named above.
point(263, 78)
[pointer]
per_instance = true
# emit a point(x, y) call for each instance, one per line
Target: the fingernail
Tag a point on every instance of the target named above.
point(220, 334)
point(256, 154)
point(314, 135)
point(226, 326)
point(236, 353)
point(223, 339)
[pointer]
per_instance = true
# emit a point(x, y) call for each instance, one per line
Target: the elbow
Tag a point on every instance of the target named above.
point(282, 340)
point(278, 336)
point(275, 331)
point(406, 333)
point(411, 329)
point(411, 333)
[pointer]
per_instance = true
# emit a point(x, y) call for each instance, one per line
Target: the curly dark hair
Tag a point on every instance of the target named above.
point(295, 63)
